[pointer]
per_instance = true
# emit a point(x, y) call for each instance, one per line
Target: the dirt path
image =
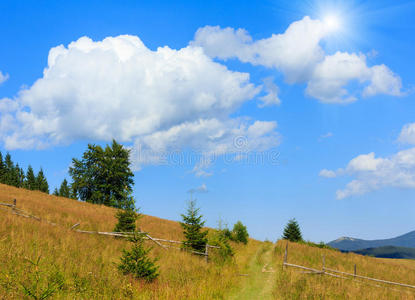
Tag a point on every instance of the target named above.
point(261, 276)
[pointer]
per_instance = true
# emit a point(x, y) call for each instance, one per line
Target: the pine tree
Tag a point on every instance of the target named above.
point(292, 231)
point(137, 262)
point(192, 229)
point(126, 220)
point(30, 182)
point(14, 176)
point(2, 169)
point(55, 192)
point(240, 233)
point(20, 176)
point(42, 183)
point(64, 190)
point(9, 169)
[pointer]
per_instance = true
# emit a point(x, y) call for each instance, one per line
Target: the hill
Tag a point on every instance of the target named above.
point(87, 264)
point(351, 244)
point(388, 252)
point(35, 254)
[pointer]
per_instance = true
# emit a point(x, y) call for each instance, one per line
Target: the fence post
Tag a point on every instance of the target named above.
point(354, 270)
point(207, 253)
point(14, 202)
point(324, 262)
point(285, 255)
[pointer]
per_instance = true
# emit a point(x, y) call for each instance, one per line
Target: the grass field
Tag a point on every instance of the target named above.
point(34, 254)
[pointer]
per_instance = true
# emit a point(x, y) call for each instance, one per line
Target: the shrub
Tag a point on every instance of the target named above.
point(221, 239)
point(240, 233)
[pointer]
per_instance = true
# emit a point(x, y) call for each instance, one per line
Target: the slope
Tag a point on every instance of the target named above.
point(37, 255)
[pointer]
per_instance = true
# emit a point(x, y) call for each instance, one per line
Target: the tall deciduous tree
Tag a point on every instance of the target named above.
point(292, 231)
point(192, 228)
point(103, 176)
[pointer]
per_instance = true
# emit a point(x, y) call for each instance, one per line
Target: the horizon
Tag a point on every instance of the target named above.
point(264, 112)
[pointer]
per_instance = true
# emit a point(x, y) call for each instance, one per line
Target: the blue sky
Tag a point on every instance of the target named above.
point(278, 109)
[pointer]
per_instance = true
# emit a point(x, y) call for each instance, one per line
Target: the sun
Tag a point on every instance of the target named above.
point(331, 22)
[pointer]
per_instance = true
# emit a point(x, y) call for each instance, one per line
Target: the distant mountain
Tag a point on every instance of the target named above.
point(389, 252)
point(352, 244)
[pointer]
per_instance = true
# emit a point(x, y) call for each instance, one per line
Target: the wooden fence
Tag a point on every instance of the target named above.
point(329, 272)
point(157, 241)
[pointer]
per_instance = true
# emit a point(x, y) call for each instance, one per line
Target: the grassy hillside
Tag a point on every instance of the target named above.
point(295, 284)
point(86, 264)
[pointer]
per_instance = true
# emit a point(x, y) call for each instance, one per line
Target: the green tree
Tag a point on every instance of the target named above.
point(240, 233)
point(64, 190)
point(220, 238)
point(103, 176)
point(126, 220)
point(42, 183)
point(192, 228)
point(8, 169)
point(55, 192)
point(20, 176)
point(2, 169)
point(14, 176)
point(30, 182)
point(292, 231)
point(137, 262)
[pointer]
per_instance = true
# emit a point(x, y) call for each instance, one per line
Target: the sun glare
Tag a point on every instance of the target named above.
point(332, 22)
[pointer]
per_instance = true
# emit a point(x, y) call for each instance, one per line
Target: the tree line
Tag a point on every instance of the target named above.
point(12, 174)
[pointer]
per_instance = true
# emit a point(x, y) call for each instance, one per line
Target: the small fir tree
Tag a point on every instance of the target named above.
point(292, 231)
point(136, 261)
point(192, 229)
point(55, 192)
point(126, 220)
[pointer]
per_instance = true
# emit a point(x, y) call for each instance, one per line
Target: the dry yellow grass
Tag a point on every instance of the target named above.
point(87, 263)
point(294, 284)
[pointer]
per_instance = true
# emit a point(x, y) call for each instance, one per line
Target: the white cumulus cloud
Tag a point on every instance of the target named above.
point(407, 135)
point(373, 173)
point(297, 53)
point(118, 88)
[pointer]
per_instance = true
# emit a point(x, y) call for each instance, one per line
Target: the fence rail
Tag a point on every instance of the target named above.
point(329, 272)
point(157, 241)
